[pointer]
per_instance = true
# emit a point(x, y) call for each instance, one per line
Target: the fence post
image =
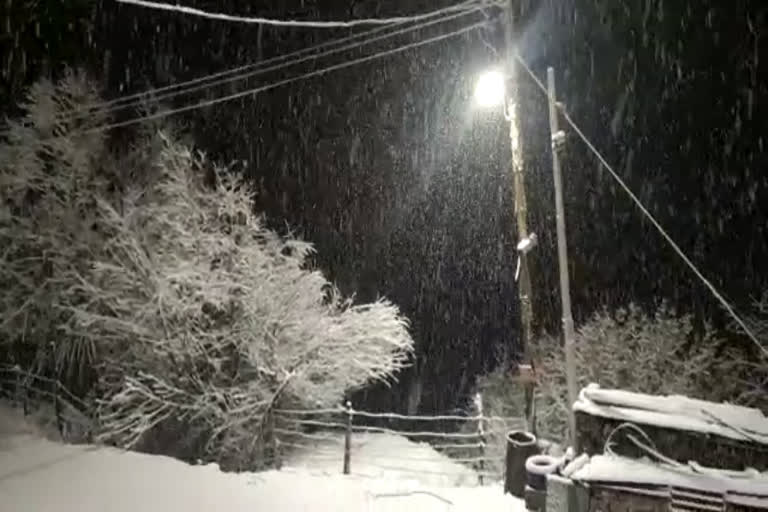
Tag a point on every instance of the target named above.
point(92, 415)
point(348, 438)
point(481, 434)
point(275, 440)
point(21, 389)
point(57, 407)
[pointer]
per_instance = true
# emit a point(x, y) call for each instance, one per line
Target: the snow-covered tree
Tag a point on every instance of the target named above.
point(223, 316)
point(197, 319)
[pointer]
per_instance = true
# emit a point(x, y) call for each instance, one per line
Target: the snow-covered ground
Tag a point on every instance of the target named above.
point(383, 457)
point(41, 475)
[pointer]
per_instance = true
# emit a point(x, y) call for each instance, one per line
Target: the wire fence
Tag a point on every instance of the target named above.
point(33, 392)
point(466, 447)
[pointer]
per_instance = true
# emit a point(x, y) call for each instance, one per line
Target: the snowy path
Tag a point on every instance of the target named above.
point(43, 476)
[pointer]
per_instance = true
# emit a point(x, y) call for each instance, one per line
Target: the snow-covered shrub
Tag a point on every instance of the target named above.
point(626, 349)
point(743, 376)
point(225, 320)
point(197, 320)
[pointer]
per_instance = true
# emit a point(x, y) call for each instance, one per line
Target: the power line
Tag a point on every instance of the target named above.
point(719, 296)
point(258, 68)
point(468, 5)
point(280, 83)
point(274, 22)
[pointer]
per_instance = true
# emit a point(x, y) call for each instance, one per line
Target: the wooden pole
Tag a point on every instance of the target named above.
point(21, 389)
point(275, 441)
point(524, 287)
point(562, 256)
point(348, 438)
point(57, 406)
point(480, 434)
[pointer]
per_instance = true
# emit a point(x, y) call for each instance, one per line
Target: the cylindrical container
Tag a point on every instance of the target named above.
point(520, 446)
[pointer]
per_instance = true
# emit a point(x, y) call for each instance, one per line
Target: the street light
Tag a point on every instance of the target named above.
point(490, 90)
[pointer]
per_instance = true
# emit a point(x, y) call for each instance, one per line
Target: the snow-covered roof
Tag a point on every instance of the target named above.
point(738, 486)
point(676, 412)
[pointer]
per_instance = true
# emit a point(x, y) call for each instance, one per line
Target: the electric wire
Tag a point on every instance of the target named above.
point(277, 22)
point(249, 71)
point(263, 88)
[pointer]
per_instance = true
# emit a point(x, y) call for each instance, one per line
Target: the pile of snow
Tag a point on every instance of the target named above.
point(41, 475)
point(383, 456)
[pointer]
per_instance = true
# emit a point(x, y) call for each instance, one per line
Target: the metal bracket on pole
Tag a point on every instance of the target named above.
point(558, 141)
point(525, 245)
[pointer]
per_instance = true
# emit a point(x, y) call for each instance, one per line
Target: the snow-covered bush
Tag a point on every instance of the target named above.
point(743, 377)
point(196, 318)
point(627, 349)
point(223, 317)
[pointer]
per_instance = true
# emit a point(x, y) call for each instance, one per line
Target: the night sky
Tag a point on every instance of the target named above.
point(404, 187)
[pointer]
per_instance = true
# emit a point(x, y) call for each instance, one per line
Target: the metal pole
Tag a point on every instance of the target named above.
point(562, 256)
point(524, 286)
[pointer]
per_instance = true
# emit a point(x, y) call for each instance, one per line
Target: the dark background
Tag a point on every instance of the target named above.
point(405, 189)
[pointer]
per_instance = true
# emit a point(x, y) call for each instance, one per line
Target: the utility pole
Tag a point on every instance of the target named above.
point(558, 138)
point(526, 376)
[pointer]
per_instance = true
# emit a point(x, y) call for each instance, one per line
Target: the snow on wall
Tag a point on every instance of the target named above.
point(676, 412)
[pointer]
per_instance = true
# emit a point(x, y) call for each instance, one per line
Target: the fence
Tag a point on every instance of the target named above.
point(29, 390)
point(346, 439)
